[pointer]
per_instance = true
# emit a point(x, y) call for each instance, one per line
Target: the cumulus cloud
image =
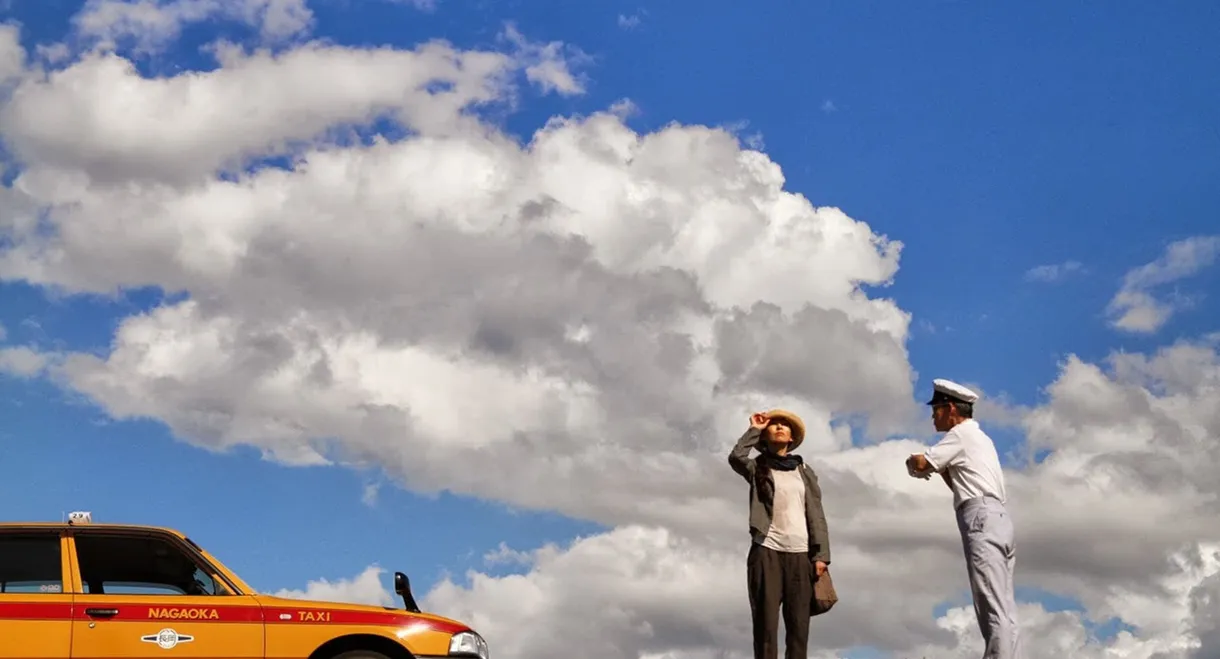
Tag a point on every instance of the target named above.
point(21, 361)
point(364, 588)
point(1118, 517)
point(69, 127)
point(1136, 309)
point(586, 319)
point(12, 55)
point(149, 25)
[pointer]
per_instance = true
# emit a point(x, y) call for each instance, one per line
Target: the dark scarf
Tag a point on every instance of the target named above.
point(787, 462)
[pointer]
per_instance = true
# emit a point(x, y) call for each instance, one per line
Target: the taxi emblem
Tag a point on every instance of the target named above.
point(167, 638)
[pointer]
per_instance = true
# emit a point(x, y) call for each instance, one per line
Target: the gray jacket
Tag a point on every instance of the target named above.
point(760, 507)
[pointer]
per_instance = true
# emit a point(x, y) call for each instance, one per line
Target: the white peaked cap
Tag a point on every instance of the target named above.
point(948, 390)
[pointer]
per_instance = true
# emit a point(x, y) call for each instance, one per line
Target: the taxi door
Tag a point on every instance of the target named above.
point(147, 594)
point(35, 607)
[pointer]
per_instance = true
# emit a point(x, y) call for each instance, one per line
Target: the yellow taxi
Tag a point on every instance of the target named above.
point(100, 591)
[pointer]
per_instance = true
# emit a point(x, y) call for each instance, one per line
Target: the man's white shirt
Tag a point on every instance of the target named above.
point(972, 462)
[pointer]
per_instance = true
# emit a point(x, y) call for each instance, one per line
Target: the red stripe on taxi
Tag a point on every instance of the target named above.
point(35, 610)
point(128, 611)
point(308, 616)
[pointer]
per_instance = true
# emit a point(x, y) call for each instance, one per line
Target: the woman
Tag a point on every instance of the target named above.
point(791, 543)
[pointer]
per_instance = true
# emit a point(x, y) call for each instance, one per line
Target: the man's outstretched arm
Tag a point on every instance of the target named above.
point(943, 454)
point(919, 466)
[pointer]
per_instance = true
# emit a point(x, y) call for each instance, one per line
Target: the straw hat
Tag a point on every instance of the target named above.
point(798, 426)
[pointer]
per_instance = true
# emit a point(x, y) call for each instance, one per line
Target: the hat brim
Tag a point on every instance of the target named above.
point(942, 397)
point(798, 426)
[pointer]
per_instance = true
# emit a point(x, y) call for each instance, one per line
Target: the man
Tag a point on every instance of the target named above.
point(967, 460)
point(790, 543)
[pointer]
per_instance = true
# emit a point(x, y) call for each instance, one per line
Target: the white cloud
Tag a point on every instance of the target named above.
point(12, 55)
point(630, 22)
point(422, 5)
point(255, 105)
point(1118, 517)
point(21, 361)
point(586, 319)
point(506, 555)
point(753, 140)
point(549, 65)
point(151, 24)
point(370, 494)
point(639, 592)
point(1135, 309)
point(364, 588)
point(1053, 272)
point(186, 127)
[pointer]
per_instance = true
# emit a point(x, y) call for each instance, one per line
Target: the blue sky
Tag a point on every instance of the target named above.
point(988, 138)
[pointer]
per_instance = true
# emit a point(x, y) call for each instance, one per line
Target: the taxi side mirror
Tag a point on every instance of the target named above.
point(402, 587)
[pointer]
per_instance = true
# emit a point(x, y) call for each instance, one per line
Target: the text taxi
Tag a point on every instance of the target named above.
point(105, 591)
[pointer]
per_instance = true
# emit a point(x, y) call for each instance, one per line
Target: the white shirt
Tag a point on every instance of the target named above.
point(788, 531)
point(970, 458)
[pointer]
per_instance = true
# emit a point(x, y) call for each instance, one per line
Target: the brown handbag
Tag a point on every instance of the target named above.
point(824, 595)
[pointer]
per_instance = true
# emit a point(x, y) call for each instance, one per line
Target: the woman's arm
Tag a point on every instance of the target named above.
point(739, 457)
point(817, 526)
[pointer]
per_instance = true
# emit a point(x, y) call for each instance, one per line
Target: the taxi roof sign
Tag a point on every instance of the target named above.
point(80, 517)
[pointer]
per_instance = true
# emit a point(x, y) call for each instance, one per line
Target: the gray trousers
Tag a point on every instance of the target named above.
point(988, 541)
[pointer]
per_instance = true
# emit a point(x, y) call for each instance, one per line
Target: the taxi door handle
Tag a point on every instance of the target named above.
point(101, 613)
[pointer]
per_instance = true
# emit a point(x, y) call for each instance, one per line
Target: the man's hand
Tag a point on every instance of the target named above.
point(819, 568)
point(759, 420)
point(918, 466)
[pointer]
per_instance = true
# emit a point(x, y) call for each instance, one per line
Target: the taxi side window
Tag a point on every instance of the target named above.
point(140, 565)
point(30, 563)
